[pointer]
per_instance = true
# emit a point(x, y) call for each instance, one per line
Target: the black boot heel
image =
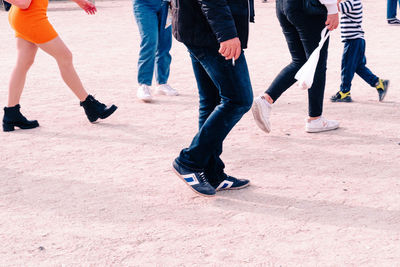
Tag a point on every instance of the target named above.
point(96, 110)
point(14, 118)
point(8, 127)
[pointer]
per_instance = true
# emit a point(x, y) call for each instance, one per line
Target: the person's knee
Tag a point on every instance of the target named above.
point(207, 105)
point(29, 62)
point(298, 63)
point(26, 62)
point(66, 58)
point(148, 45)
point(247, 103)
point(241, 105)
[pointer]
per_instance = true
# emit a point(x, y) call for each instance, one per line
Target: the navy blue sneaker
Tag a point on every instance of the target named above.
point(196, 180)
point(341, 97)
point(382, 87)
point(232, 183)
point(393, 21)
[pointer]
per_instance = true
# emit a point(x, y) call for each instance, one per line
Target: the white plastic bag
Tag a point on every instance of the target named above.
point(305, 76)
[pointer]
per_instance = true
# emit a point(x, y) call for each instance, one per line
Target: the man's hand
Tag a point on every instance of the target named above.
point(332, 21)
point(230, 48)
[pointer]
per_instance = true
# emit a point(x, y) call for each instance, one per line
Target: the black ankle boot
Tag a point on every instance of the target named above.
point(95, 110)
point(13, 118)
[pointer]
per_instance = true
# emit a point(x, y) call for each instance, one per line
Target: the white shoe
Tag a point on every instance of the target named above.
point(144, 93)
point(321, 125)
point(262, 111)
point(165, 89)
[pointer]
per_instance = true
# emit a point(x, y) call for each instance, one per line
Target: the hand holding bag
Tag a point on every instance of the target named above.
point(314, 7)
point(305, 76)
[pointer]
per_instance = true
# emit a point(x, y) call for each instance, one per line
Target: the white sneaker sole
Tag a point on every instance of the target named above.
point(145, 99)
point(181, 177)
point(236, 188)
point(261, 123)
point(319, 130)
point(161, 92)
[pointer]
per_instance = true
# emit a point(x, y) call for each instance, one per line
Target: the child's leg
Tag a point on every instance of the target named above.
point(26, 56)
point(57, 49)
point(350, 61)
point(362, 70)
point(366, 74)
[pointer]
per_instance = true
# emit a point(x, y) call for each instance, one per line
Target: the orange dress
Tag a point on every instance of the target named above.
point(31, 24)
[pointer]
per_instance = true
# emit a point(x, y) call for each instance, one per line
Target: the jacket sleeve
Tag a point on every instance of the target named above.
point(219, 16)
point(331, 6)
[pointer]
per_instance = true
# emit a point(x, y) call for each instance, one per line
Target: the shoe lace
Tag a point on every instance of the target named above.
point(202, 177)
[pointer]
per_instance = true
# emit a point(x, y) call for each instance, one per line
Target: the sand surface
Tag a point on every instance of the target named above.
point(79, 194)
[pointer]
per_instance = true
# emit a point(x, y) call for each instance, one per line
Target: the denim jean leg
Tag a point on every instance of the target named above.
point(364, 72)
point(234, 87)
point(147, 21)
point(208, 92)
point(163, 57)
point(209, 100)
point(351, 60)
point(215, 168)
point(391, 9)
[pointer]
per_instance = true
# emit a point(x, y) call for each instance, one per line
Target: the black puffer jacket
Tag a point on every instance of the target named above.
point(210, 22)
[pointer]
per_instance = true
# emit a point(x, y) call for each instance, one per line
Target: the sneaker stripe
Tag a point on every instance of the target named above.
point(183, 179)
point(224, 185)
point(190, 179)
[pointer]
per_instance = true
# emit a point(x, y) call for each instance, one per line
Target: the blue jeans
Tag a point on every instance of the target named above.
point(354, 61)
point(302, 33)
point(391, 9)
point(225, 96)
point(156, 42)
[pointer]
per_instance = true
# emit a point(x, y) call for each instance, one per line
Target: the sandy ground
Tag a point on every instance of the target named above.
point(77, 194)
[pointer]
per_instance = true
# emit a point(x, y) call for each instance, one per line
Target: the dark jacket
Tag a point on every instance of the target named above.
point(210, 22)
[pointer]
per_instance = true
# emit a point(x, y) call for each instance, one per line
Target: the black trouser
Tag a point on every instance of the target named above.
point(302, 33)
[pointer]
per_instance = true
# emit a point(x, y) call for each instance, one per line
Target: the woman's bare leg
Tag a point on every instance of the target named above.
point(25, 58)
point(57, 49)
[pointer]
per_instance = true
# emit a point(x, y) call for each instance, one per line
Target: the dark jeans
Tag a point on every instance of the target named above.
point(225, 96)
point(354, 61)
point(391, 9)
point(302, 33)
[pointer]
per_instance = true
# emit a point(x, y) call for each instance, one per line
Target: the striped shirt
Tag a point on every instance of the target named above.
point(351, 19)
